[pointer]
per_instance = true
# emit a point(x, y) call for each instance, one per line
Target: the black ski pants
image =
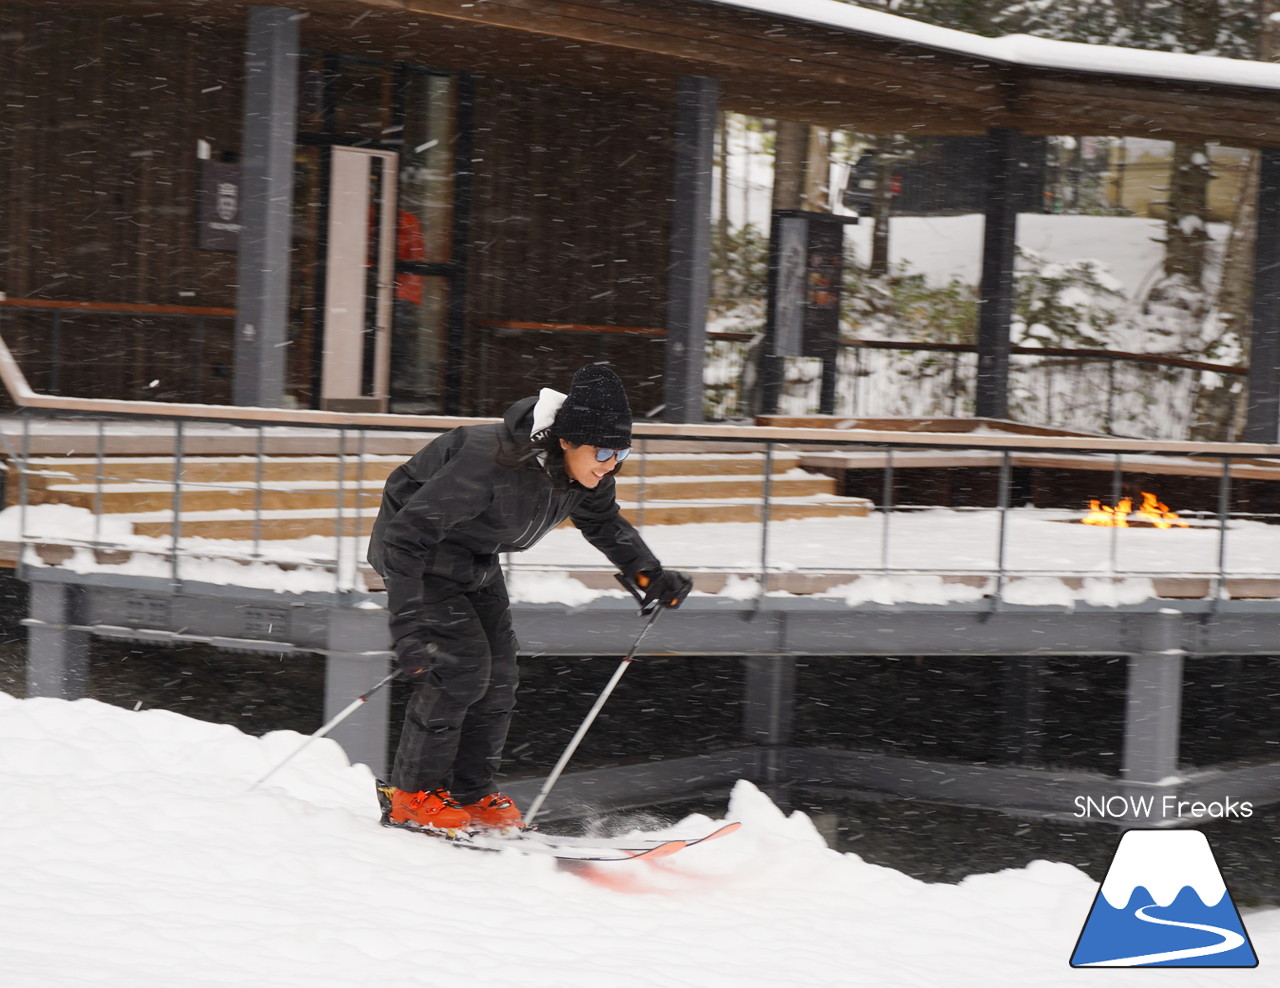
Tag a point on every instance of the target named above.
point(456, 722)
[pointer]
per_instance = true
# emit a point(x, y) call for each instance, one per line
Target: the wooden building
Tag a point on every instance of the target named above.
point(443, 204)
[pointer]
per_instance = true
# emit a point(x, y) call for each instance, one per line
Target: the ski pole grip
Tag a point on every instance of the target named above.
point(632, 589)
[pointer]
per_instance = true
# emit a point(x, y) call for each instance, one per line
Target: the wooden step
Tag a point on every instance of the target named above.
point(52, 472)
point(793, 484)
point(136, 498)
point(752, 510)
point(275, 525)
point(303, 494)
point(299, 495)
point(56, 471)
point(640, 465)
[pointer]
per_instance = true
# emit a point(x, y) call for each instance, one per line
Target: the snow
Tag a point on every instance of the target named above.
point(138, 857)
point(1039, 542)
point(893, 559)
point(1023, 49)
point(944, 247)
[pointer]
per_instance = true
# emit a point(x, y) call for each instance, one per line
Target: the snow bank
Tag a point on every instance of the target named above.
point(136, 856)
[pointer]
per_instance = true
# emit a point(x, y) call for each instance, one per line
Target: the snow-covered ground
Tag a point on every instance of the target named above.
point(1041, 548)
point(135, 855)
point(946, 247)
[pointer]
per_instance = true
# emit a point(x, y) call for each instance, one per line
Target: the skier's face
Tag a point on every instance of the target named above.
point(580, 464)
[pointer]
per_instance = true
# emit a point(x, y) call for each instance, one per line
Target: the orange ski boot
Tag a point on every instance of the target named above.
point(494, 812)
point(435, 809)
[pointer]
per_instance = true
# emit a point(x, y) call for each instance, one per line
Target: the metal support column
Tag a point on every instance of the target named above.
point(358, 657)
point(1262, 416)
point(769, 714)
point(689, 269)
point(1153, 707)
point(995, 311)
point(57, 657)
point(266, 205)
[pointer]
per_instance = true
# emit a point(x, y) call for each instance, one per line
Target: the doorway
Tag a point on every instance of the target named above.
point(359, 274)
point(378, 180)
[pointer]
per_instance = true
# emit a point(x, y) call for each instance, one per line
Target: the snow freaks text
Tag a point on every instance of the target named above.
point(1168, 807)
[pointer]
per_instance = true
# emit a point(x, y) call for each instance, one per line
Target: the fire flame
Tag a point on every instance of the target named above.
point(1153, 512)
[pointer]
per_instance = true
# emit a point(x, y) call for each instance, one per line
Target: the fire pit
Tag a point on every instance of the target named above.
point(1152, 514)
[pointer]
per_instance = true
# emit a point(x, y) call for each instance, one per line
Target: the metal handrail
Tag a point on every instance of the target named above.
point(23, 395)
point(1081, 353)
point(763, 439)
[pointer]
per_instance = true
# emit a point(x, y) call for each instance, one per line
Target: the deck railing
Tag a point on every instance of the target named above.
point(991, 540)
point(1105, 391)
point(156, 352)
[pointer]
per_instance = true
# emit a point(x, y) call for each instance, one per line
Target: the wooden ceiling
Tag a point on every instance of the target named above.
point(767, 65)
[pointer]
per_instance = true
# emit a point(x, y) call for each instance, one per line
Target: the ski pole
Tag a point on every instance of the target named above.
point(590, 718)
point(333, 722)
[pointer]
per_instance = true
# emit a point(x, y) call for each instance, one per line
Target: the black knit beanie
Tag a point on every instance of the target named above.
point(596, 412)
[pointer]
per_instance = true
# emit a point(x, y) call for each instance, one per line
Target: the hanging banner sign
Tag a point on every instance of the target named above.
point(219, 206)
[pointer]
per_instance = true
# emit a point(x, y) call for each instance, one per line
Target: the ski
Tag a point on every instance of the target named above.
point(567, 852)
point(633, 843)
point(585, 849)
point(583, 852)
point(567, 848)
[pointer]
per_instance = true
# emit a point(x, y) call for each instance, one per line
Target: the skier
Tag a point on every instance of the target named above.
point(447, 515)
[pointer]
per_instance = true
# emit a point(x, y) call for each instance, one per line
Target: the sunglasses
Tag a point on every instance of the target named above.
point(603, 455)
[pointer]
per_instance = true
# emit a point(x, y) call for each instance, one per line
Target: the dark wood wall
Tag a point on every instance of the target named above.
point(98, 175)
point(570, 224)
point(98, 156)
point(569, 218)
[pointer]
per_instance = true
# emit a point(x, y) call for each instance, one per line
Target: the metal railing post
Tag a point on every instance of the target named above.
point(258, 479)
point(24, 496)
point(1117, 488)
point(1002, 504)
point(767, 493)
point(1224, 510)
point(886, 507)
point(175, 530)
point(856, 396)
point(641, 474)
point(358, 524)
point(953, 410)
point(99, 468)
point(1111, 397)
point(340, 521)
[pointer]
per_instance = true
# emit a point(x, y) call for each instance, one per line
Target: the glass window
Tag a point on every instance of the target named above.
point(418, 327)
point(426, 162)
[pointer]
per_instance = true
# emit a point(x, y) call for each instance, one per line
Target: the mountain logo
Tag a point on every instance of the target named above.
point(1164, 904)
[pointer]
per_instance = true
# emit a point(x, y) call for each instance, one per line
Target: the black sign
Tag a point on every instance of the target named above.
point(219, 224)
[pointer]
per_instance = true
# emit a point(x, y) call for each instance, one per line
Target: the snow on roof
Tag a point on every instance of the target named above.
point(1023, 49)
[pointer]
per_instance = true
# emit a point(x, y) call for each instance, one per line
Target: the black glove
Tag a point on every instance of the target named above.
point(413, 658)
point(669, 587)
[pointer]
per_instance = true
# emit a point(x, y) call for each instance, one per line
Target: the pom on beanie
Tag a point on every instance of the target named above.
point(595, 412)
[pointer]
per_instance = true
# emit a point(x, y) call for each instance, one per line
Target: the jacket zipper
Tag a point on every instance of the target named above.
point(529, 535)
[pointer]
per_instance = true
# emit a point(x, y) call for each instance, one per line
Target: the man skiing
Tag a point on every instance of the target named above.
point(447, 516)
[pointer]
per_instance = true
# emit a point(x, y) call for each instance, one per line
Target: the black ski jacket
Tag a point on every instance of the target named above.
point(477, 492)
